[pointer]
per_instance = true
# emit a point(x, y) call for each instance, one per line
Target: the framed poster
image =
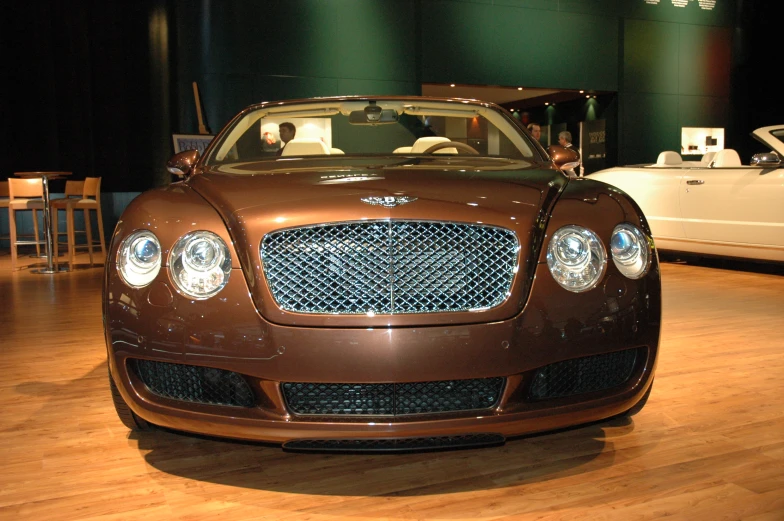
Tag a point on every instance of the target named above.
point(184, 142)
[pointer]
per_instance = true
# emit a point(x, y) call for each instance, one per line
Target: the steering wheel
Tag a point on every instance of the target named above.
point(461, 147)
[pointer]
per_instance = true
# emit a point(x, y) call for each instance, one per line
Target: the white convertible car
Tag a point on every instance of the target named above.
point(716, 206)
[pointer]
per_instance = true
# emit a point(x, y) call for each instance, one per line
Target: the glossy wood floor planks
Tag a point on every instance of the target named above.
point(709, 444)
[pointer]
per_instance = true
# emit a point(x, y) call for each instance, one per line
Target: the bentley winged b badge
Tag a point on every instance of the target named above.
point(388, 201)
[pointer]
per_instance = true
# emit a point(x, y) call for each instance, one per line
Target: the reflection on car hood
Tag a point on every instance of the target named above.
point(293, 183)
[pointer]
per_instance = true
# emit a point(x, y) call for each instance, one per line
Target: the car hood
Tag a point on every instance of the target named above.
point(255, 199)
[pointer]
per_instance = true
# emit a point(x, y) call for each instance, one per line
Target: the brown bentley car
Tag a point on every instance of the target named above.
point(395, 274)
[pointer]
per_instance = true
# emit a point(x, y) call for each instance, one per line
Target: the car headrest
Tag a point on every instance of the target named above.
point(725, 159)
point(669, 158)
point(306, 146)
point(423, 143)
point(707, 158)
point(402, 150)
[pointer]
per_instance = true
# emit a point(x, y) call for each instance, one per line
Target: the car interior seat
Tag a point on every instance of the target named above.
point(306, 146)
point(423, 143)
point(726, 158)
point(707, 158)
point(669, 158)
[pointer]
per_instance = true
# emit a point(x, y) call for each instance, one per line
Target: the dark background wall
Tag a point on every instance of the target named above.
point(98, 87)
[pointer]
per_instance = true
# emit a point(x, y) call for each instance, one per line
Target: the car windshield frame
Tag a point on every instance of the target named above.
point(491, 129)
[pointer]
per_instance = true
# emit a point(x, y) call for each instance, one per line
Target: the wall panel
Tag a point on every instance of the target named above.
point(500, 45)
point(650, 124)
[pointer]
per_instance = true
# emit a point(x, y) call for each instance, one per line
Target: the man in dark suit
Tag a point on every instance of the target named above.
point(565, 140)
point(287, 132)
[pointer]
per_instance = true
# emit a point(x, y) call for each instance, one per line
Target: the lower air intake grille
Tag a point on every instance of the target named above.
point(196, 384)
point(464, 441)
point(392, 399)
point(584, 375)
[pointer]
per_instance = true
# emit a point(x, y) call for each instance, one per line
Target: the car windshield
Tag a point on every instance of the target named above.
point(369, 128)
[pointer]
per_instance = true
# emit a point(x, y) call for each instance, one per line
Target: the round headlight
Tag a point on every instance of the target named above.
point(630, 251)
point(200, 264)
point(576, 258)
point(139, 258)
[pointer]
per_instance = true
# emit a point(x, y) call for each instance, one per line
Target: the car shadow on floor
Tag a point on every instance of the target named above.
point(724, 263)
point(522, 460)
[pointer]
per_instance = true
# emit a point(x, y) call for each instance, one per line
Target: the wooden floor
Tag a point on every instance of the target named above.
point(708, 446)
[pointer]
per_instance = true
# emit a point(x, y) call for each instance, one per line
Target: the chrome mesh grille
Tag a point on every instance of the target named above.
point(389, 267)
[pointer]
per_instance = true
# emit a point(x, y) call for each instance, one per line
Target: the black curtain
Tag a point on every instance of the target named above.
point(84, 83)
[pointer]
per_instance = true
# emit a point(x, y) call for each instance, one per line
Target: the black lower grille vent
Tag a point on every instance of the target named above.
point(585, 375)
point(464, 441)
point(392, 399)
point(196, 384)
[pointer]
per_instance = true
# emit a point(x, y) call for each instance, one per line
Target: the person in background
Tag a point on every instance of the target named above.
point(287, 132)
point(535, 130)
point(565, 140)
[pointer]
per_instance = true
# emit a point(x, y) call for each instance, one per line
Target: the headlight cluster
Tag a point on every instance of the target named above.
point(630, 251)
point(577, 258)
point(200, 262)
point(139, 259)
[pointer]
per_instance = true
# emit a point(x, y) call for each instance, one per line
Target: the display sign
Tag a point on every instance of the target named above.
point(594, 139)
point(184, 142)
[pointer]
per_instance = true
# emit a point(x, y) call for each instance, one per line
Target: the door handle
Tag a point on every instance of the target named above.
point(695, 182)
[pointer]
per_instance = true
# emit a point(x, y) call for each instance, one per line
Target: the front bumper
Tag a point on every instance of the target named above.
point(228, 333)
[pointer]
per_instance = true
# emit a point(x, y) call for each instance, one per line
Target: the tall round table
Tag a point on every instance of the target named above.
point(45, 178)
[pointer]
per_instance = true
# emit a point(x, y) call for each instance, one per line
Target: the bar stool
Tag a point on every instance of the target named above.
point(4, 200)
point(88, 197)
point(24, 194)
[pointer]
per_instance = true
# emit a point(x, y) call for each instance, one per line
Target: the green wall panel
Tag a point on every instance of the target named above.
point(351, 87)
point(245, 51)
point(703, 111)
point(704, 60)
point(274, 88)
point(481, 44)
point(576, 6)
point(650, 124)
point(650, 57)
point(601, 7)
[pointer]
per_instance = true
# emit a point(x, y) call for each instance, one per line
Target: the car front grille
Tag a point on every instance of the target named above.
point(392, 399)
point(389, 267)
point(195, 384)
point(585, 375)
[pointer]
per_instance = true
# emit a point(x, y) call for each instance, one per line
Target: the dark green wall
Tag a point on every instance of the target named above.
point(244, 52)
point(670, 66)
point(673, 75)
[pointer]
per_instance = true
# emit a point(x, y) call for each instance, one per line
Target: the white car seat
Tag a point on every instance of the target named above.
point(307, 146)
point(423, 143)
point(669, 158)
point(707, 158)
point(726, 158)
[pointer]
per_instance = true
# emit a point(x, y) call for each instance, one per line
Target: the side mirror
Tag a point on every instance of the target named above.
point(181, 164)
point(766, 160)
point(564, 158)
